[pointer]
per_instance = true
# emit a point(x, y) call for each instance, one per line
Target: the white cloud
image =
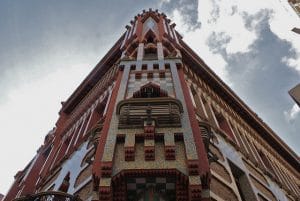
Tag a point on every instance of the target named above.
point(220, 16)
point(196, 39)
point(293, 113)
point(292, 62)
point(30, 112)
point(230, 21)
point(226, 19)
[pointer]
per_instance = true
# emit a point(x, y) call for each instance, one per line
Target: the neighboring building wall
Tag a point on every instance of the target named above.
point(295, 94)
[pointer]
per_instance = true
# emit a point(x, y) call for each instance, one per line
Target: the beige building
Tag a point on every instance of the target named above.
point(295, 94)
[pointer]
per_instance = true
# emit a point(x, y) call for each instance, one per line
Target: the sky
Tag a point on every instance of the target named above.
point(48, 47)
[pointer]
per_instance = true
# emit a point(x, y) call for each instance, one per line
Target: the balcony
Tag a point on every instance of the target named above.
point(165, 111)
point(49, 196)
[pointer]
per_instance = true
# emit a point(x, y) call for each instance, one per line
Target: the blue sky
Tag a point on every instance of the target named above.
point(48, 47)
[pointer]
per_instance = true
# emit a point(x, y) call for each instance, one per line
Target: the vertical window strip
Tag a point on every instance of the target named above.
point(284, 175)
point(293, 183)
point(198, 103)
point(73, 138)
point(280, 176)
point(242, 182)
point(224, 125)
point(202, 106)
point(239, 140)
point(46, 160)
point(268, 163)
point(234, 135)
point(56, 155)
point(259, 158)
point(253, 150)
point(191, 90)
point(251, 156)
point(89, 119)
point(212, 118)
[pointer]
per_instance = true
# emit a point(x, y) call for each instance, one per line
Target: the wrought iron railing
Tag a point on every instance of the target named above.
point(165, 111)
point(49, 196)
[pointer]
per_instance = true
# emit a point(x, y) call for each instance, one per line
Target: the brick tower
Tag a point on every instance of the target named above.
point(153, 122)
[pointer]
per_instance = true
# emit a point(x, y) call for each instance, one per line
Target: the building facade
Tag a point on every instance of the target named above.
point(153, 122)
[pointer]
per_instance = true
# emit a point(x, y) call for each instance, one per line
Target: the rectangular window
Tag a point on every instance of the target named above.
point(132, 67)
point(266, 162)
point(167, 66)
point(224, 126)
point(144, 67)
point(150, 75)
point(162, 75)
point(242, 183)
point(138, 76)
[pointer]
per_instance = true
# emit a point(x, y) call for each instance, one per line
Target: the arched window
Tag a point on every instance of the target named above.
point(150, 48)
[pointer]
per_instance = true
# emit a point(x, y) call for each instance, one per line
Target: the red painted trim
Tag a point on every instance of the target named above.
point(29, 183)
point(139, 28)
point(12, 193)
point(56, 146)
point(203, 160)
point(72, 143)
point(100, 148)
point(83, 132)
point(94, 119)
point(61, 154)
point(161, 28)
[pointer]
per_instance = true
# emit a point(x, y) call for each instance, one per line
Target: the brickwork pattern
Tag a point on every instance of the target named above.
point(164, 81)
point(222, 190)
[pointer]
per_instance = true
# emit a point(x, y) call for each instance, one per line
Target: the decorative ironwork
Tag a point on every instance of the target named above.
point(49, 196)
point(164, 111)
point(207, 137)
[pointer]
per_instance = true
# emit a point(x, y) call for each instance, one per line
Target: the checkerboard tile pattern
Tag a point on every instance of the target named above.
point(137, 187)
point(165, 82)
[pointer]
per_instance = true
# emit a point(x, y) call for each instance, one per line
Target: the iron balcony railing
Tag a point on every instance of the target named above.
point(49, 196)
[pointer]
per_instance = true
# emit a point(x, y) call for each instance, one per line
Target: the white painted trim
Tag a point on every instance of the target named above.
point(30, 167)
point(88, 123)
point(46, 160)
